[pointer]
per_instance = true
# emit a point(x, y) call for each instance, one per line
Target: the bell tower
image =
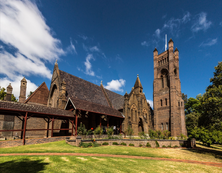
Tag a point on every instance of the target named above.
point(23, 87)
point(168, 103)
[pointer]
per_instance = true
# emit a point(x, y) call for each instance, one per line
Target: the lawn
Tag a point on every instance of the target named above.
point(34, 164)
point(84, 164)
point(62, 147)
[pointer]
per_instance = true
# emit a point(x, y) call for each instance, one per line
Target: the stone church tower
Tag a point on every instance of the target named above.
point(23, 87)
point(168, 103)
point(138, 113)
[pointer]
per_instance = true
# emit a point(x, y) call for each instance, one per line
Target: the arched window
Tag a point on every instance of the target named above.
point(166, 102)
point(135, 115)
point(161, 126)
point(132, 114)
point(161, 102)
point(181, 103)
point(178, 103)
point(162, 81)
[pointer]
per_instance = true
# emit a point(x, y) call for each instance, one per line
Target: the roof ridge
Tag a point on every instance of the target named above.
point(35, 92)
point(88, 82)
point(91, 102)
point(80, 78)
point(106, 96)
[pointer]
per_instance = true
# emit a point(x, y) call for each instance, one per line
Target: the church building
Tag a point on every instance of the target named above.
point(71, 101)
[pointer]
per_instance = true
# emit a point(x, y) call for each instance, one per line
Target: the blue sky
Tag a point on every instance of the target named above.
point(112, 41)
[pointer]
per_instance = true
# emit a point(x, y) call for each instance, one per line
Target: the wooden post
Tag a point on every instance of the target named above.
point(120, 126)
point(26, 114)
point(76, 125)
point(72, 127)
point(100, 122)
point(48, 128)
point(107, 121)
point(52, 127)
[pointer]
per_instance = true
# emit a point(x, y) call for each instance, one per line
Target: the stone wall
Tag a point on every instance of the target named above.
point(136, 142)
point(18, 142)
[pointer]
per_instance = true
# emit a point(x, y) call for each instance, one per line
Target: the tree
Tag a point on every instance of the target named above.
point(211, 102)
point(30, 93)
point(3, 94)
point(184, 97)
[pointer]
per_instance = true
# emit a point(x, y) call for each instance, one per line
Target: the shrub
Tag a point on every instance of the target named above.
point(98, 131)
point(115, 143)
point(172, 138)
point(109, 131)
point(142, 135)
point(140, 145)
point(105, 143)
point(148, 144)
point(169, 146)
point(120, 136)
point(157, 144)
point(123, 143)
point(175, 146)
point(166, 134)
point(164, 146)
point(131, 145)
point(85, 145)
point(95, 144)
point(89, 132)
point(182, 136)
point(81, 129)
point(129, 131)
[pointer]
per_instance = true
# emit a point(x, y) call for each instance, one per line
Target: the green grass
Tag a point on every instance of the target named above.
point(46, 164)
point(62, 147)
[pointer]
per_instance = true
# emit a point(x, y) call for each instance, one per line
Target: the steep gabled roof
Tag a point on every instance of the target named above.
point(96, 108)
point(39, 96)
point(16, 106)
point(80, 89)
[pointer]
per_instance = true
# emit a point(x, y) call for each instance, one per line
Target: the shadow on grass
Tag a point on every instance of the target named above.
point(213, 147)
point(208, 151)
point(22, 165)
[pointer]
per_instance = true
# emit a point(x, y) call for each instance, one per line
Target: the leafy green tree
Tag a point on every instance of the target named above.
point(211, 102)
point(30, 93)
point(3, 94)
point(184, 97)
point(193, 105)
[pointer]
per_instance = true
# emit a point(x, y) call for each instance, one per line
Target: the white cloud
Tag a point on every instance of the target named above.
point(201, 23)
point(150, 102)
point(4, 82)
point(157, 33)
point(24, 29)
point(83, 37)
point(71, 47)
point(14, 65)
point(145, 43)
point(115, 85)
point(209, 42)
point(94, 49)
point(89, 65)
point(174, 23)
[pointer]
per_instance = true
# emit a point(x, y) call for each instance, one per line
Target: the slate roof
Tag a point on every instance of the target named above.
point(16, 106)
point(81, 90)
point(40, 95)
point(96, 108)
